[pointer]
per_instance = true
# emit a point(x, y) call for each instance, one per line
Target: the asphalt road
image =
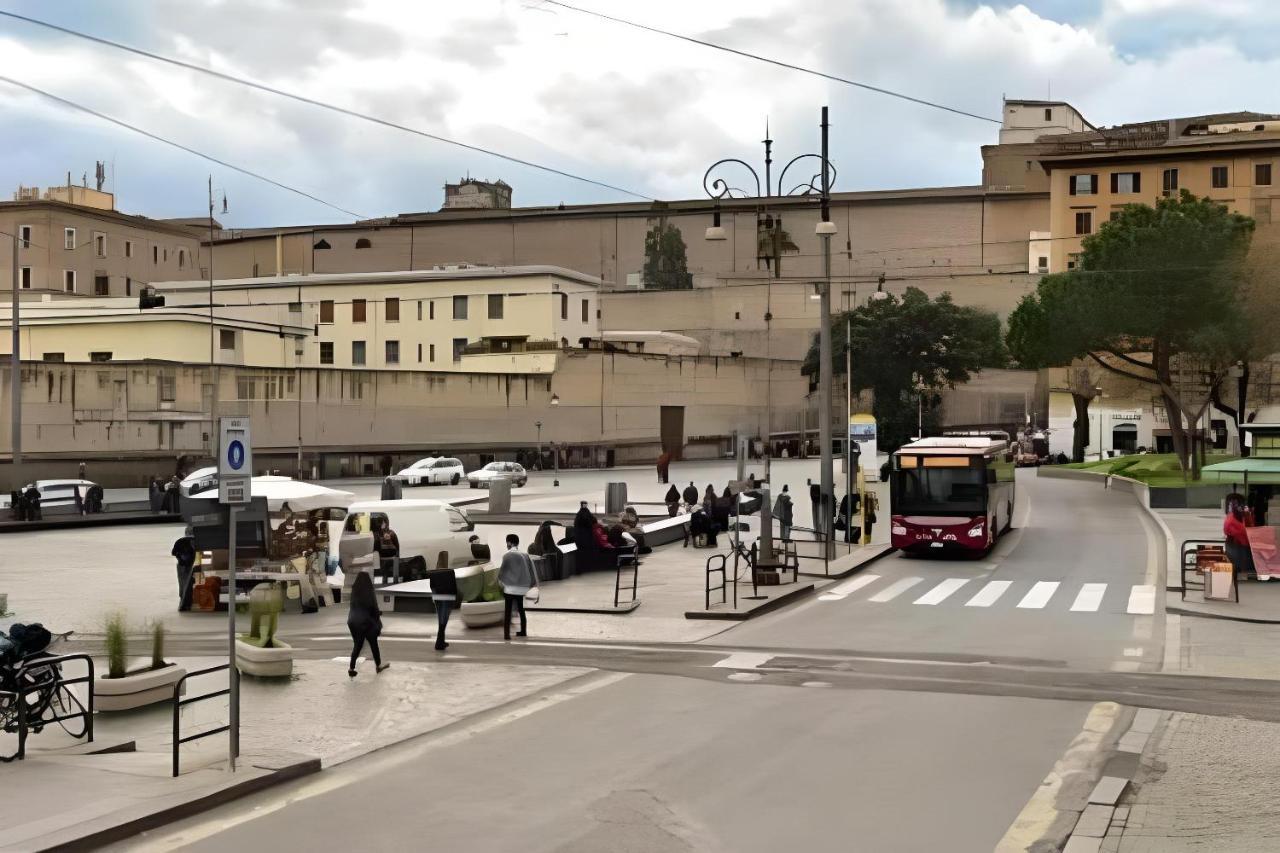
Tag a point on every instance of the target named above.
point(868, 721)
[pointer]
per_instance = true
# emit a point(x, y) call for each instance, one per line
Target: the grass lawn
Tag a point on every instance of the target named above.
point(1154, 469)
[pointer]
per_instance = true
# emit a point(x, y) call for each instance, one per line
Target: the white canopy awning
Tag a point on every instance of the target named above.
point(280, 492)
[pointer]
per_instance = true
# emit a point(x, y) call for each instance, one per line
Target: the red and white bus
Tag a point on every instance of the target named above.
point(951, 493)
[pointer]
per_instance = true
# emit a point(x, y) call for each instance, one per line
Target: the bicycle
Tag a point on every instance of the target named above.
point(32, 692)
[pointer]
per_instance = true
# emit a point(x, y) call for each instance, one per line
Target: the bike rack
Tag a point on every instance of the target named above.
point(1184, 552)
point(724, 580)
point(179, 703)
point(627, 560)
point(58, 681)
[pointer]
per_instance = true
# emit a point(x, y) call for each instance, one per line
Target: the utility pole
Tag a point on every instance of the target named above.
point(824, 353)
point(213, 365)
point(15, 368)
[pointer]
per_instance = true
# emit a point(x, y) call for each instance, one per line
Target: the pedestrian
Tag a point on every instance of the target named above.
point(673, 501)
point(364, 621)
point(155, 495)
point(783, 512)
point(815, 498)
point(387, 544)
point(870, 505)
point(709, 499)
point(1234, 529)
point(32, 494)
point(81, 470)
point(17, 511)
point(664, 466)
point(170, 503)
point(517, 576)
point(444, 592)
point(184, 551)
point(849, 506)
point(690, 495)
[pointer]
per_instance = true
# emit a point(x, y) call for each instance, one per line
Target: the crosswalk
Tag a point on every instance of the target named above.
point(1139, 599)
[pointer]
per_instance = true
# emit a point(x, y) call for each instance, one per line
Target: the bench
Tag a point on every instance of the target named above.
point(666, 530)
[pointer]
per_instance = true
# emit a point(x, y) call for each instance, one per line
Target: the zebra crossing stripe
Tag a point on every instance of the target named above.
point(893, 591)
point(940, 592)
point(1039, 595)
point(855, 584)
point(989, 594)
point(1142, 600)
point(1090, 597)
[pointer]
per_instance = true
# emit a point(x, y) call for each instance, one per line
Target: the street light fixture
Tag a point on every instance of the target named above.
point(716, 231)
point(555, 452)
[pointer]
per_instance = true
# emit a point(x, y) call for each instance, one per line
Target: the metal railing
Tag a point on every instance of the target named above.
point(1188, 548)
point(494, 348)
point(824, 546)
point(724, 581)
point(627, 560)
point(179, 703)
point(48, 693)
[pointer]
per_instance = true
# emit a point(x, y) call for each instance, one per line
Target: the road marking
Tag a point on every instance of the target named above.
point(989, 594)
point(745, 676)
point(1039, 595)
point(838, 593)
point(1142, 599)
point(892, 592)
point(940, 592)
point(1090, 597)
point(815, 684)
point(742, 660)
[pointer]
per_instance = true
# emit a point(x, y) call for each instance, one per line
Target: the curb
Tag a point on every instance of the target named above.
point(743, 615)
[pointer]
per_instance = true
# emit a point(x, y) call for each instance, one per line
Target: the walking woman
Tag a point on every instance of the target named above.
point(444, 592)
point(517, 576)
point(364, 620)
point(1234, 526)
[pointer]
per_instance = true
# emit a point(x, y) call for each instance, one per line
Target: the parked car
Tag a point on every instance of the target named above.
point(512, 471)
point(426, 529)
point(433, 471)
point(54, 492)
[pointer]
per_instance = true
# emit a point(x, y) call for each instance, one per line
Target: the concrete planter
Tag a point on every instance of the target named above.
point(482, 614)
point(136, 689)
point(275, 662)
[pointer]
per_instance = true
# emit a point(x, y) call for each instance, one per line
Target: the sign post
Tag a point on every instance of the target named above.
point(235, 488)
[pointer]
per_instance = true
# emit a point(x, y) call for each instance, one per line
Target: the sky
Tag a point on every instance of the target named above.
point(640, 111)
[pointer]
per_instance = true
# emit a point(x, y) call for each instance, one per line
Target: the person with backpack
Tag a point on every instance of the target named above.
point(517, 576)
point(184, 551)
point(364, 621)
point(444, 592)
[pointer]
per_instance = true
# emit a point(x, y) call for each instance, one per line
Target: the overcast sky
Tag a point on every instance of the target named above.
point(640, 111)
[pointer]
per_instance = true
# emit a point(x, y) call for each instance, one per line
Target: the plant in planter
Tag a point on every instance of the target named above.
point(487, 608)
point(260, 652)
point(122, 689)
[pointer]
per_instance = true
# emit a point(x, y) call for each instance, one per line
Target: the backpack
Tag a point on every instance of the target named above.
point(29, 639)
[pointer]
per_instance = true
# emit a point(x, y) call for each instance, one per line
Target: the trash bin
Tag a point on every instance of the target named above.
point(392, 489)
point(615, 498)
point(499, 495)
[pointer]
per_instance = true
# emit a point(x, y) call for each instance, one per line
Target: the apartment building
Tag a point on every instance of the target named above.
point(72, 242)
point(458, 319)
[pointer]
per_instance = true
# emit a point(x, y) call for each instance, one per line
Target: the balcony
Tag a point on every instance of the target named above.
point(503, 346)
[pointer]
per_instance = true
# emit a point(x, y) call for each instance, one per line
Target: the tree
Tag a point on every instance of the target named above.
point(909, 349)
point(1155, 298)
point(666, 266)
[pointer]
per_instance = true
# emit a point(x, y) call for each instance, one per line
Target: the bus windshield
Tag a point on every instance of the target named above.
point(939, 491)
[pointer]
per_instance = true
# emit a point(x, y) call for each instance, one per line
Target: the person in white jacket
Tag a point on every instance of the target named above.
point(517, 576)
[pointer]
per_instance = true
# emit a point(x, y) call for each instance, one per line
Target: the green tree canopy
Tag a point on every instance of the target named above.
point(666, 266)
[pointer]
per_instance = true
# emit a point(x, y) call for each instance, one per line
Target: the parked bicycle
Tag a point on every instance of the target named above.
point(33, 692)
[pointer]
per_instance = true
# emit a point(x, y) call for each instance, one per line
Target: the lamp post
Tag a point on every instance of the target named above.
point(15, 372)
point(818, 185)
point(555, 452)
point(538, 424)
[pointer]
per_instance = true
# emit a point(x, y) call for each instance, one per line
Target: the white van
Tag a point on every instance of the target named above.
point(426, 529)
point(55, 492)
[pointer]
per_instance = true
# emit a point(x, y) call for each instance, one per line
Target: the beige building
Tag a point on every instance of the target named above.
point(469, 319)
point(73, 242)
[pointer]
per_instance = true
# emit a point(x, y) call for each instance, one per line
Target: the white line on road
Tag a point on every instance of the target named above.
point(1039, 595)
point(892, 592)
point(1090, 597)
point(855, 584)
point(940, 592)
point(742, 660)
point(1142, 599)
point(989, 594)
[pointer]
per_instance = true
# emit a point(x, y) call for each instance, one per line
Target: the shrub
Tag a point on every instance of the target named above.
point(157, 645)
point(117, 642)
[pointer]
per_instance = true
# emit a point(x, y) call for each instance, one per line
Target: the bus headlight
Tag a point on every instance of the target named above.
point(976, 531)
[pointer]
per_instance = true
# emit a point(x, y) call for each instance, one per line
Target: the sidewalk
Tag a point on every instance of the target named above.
point(1259, 600)
point(320, 713)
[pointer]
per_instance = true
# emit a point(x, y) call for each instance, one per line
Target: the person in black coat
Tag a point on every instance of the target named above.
point(690, 495)
point(364, 620)
point(673, 501)
point(184, 551)
point(444, 592)
point(815, 499)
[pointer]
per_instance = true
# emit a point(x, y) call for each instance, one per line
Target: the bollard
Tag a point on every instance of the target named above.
point(392, 489)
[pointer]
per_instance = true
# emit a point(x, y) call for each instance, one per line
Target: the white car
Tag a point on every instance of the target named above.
point(512, 471)
point(55, 492)
point(432, 471)
point(431, 534)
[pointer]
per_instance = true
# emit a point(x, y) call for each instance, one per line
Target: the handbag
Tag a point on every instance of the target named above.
point(532, 596)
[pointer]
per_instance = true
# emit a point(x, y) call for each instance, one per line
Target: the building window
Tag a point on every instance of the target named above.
point(363, 243)
point(155, 254)
point(128, 248)
point(68, 238)
point(431, 353)
point(1072, 261)
point(586, 310)
point(1042, 264)
point(55, 357)
point(101, 286)
point(392, 352)
point(226, 339)
point(357, 352)
point(419, 353)
point(393, 309)
point(357, 310)
point(495, 306)
point(1262, 174)
point(1169, 181)
point(459, 307)
point(69, 281)
point(1048, 114)
point(99, 356)
point(167, 388)
point(24, 236)
point(1084, 222)
point(164, 255)
point(1083, 185)
point(322, 243)
point(26, 278)
point(459, 344)
point(182, 258)
point(431, 310)
point(245, 388)
point(564, 306)
point(1218, 177)
point(128, 286)
point(100, 244)
point(326, 310)
point(326, 352)
point(419, 310)
point(295, 307)
point(1126, 182)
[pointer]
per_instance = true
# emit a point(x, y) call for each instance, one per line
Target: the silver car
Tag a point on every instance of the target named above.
point(512, 471)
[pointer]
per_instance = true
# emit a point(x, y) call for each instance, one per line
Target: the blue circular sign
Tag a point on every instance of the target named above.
point(235, 454)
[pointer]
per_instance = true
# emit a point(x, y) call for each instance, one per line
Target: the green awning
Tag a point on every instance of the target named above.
point(1253, 470)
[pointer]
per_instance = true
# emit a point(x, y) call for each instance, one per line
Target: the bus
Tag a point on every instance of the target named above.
point(951, 493)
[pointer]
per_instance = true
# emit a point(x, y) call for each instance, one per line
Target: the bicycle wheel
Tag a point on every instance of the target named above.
point(66, 705)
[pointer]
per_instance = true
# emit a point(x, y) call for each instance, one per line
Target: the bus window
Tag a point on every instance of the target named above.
point(925, 491)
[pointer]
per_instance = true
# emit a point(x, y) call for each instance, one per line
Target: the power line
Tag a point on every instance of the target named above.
point(262, 87)
point(802, 69)
point(82, 108)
